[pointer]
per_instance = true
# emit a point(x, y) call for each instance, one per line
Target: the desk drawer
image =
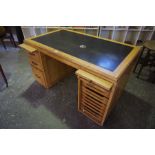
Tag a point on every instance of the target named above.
point(93, 98)
point(92, 86)
point(36, 64)
point(92, 102)
point(39, 75)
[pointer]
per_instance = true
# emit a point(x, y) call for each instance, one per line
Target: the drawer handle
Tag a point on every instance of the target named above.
point(90, 83)
point(33, 54)
point(34, 63)
point(37, 76)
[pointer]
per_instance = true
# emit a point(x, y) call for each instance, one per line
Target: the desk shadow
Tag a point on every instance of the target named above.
point(61, 100)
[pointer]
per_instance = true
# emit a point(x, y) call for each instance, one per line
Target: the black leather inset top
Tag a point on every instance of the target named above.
point(105, 54)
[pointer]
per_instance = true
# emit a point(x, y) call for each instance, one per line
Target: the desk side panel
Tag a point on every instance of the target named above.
point(119, 87)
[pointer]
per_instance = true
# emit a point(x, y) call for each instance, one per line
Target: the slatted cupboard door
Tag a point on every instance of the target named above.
point(93, 96)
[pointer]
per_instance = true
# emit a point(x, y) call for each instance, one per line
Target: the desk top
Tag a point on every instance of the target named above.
point(102, 53)
point(99, 56)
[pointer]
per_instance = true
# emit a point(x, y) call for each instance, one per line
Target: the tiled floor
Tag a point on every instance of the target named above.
point(26, 104)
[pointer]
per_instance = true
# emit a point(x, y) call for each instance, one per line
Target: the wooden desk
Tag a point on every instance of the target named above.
point(103, 67)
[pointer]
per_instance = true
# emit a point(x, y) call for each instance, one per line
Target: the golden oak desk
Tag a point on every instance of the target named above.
point(103, 67)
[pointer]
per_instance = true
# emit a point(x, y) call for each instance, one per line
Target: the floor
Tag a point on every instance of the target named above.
point(27, 105)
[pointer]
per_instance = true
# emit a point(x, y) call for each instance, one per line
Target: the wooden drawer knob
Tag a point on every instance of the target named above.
point(33, 54)
point(34, 63)
point(90, 83)
point(37, 76)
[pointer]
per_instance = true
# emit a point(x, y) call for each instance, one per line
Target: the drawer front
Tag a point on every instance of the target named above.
point(39, 75)
point(91, 85)
point(93, 100)
point(36, 64)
